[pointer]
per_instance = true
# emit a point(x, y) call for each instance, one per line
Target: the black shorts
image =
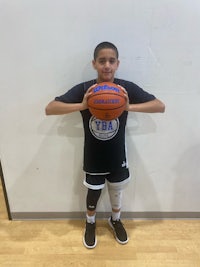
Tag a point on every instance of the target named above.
point(97, 181)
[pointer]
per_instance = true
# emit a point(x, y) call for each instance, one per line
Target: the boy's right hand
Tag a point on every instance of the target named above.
point(85, 98)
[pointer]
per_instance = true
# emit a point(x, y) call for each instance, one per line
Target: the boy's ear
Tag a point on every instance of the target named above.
point(93, 64)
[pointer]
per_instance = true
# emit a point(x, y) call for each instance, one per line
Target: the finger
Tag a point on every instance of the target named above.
point(123, 89)
point(91, 87)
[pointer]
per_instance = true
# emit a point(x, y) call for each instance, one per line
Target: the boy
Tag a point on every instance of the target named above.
point(104, 157)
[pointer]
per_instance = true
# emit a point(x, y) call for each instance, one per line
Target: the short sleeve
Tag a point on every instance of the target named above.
point(74, 95)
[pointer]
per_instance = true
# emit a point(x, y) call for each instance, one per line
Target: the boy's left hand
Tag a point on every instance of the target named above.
point(126, 97)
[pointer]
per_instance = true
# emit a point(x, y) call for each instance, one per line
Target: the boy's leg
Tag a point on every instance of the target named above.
point(89, 238)
point(115, 191)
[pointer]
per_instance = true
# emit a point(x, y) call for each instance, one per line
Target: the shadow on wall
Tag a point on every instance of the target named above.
point(141, 190)
point(139, 124)
point(70, 127)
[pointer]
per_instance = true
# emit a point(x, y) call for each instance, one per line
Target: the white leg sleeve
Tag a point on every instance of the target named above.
point(115, 194)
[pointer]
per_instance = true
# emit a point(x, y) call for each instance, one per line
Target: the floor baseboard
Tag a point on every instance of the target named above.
point(102, 215)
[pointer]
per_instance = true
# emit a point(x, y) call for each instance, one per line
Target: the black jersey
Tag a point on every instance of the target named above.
point(104, 146)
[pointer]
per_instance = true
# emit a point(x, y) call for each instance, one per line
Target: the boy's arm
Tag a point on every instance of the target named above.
point(60, 108)
point(152, 106)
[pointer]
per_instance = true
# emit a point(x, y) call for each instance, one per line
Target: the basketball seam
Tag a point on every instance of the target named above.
point(105, 93)
point(112, 108)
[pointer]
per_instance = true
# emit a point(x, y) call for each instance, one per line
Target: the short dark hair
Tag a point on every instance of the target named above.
point(105, 45)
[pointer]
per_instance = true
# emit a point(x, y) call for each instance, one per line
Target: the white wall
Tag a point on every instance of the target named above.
point(46, 47)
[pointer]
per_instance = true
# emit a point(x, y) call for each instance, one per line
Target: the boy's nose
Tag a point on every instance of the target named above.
point(107, 64)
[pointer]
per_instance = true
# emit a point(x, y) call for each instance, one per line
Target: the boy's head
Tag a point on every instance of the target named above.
point(105, 61)
point(105, 45)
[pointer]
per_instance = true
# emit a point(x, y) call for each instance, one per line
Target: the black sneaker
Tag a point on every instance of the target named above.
point(119, 231)
point(89, 238)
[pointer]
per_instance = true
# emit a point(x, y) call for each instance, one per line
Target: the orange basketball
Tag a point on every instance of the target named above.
point(107, 101)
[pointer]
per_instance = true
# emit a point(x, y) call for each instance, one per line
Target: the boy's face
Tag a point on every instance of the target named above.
point(106, 65)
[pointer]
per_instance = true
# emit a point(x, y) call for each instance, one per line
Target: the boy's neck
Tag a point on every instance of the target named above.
point(99, 81)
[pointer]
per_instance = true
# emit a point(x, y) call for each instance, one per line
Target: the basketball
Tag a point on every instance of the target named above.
point(107, 101)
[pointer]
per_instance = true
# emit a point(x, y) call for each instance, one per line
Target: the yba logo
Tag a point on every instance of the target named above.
point(103, 130)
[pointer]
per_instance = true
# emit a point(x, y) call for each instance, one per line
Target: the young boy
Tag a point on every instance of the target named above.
point(104, 157)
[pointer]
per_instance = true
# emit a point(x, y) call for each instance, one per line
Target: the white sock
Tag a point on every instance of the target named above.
point(90, 219)
point(116, 215)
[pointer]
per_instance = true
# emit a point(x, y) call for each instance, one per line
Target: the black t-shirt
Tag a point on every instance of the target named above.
point(104, 146)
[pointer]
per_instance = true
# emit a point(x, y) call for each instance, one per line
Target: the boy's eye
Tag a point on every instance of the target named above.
point(102, 61)
point(112, 61)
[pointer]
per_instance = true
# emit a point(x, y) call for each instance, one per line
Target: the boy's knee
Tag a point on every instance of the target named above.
point(115, 194)
point(92, 199)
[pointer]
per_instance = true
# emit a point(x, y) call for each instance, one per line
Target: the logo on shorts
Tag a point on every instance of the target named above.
point(103, 130)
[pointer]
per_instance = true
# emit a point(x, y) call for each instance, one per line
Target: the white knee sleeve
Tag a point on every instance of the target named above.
point(115, 194)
